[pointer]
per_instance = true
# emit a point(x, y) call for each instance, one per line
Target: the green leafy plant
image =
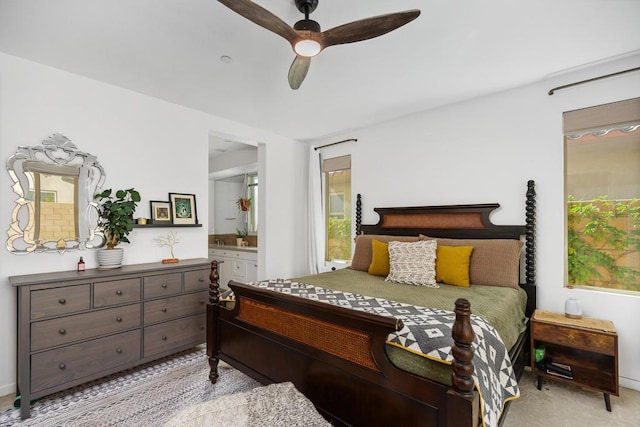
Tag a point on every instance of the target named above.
point(240, 233)
point(601, 233)
point(115, 212)
point(339, 238)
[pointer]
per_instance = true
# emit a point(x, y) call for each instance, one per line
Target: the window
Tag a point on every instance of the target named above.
point(337, 184)
point(602, 184)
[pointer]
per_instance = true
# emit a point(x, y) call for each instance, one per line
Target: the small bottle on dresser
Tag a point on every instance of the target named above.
point(81, 264)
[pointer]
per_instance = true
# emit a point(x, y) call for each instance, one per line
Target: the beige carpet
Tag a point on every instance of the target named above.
point(560, 405)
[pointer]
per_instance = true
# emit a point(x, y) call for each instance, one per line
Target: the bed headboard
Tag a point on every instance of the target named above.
point(459, 222)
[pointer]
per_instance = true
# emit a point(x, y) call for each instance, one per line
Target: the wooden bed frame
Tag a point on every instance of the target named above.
point(336, 356)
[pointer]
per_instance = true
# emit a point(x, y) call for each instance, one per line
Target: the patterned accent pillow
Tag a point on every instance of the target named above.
point(413, 263)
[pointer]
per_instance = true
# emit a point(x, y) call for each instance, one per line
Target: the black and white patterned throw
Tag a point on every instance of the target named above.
point(427, 332)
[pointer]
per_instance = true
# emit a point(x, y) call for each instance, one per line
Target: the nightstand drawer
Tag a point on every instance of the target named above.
point(589, 340)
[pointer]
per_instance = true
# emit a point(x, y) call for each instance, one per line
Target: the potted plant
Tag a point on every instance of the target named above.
point(115, 211)
point(244, 204)
point(240, 236)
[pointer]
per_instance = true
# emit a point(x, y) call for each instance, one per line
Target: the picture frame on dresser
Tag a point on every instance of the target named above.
point(160, 212)
point(183, 208)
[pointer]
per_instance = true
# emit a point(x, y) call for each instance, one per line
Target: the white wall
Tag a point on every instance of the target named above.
point(152, 145)
point(484, 151)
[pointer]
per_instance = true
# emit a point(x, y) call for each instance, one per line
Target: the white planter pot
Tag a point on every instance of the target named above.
point(109, 258)
point(239, 241)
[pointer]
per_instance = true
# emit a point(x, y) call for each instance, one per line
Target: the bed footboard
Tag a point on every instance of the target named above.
point(337, 358)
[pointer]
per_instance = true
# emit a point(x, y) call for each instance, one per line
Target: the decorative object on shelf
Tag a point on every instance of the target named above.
point(160, 212)
point(115, 211)
point(170, 239)
point(240, 234)
point(142, 221)
point(573, 308)
point(183, 208)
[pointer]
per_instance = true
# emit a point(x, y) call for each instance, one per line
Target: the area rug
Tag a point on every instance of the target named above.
point(145, 396)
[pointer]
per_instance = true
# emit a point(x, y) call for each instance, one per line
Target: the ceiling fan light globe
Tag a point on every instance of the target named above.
point(307, 48)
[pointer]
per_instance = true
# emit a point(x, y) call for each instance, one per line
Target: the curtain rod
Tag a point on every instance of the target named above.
point(336, 143)
point(591, 80)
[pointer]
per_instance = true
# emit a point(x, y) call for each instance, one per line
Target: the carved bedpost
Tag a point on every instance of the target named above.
point(463, 403)
point(462, 332)
point(358, 214)
point(212, 321)
point(530, 248)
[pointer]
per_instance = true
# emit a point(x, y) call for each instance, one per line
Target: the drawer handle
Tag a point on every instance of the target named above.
point(201, 327)
point(164, 338)
point(62, 301)
point(118, 292)
point(62, 331)
point(201, 279)
point(118, 319)
point(119, 350)
point(164, 285)
point(62, 366)
point(164, 309)
point(201, 302)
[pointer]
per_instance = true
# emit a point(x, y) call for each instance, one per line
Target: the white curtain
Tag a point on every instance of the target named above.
point(316, 214)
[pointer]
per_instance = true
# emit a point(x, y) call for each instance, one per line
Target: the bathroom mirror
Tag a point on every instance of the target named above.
point(54, 211)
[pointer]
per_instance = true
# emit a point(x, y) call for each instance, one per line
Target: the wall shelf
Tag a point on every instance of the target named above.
point(165, 225)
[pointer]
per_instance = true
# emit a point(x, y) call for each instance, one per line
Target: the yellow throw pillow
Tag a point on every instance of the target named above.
point(452, 265)
point(380, 258)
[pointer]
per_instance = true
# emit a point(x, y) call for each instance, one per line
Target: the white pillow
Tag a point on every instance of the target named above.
point(413, 263)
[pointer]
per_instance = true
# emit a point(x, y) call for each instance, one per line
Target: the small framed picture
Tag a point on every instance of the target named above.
point(160, 212)
point(183, 208)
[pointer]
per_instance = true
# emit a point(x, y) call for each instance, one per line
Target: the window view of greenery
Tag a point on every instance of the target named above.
point(338, 215)
point(603, 207)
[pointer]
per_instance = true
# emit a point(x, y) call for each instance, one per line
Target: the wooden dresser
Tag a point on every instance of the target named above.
point(74, 327)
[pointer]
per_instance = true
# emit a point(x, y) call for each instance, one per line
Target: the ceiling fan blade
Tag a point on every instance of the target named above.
point(298, 71)
point(367, 28)
point(261, 16)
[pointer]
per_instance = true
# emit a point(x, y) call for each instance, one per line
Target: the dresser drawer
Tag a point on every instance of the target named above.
point(194, 280)
point(49, 333)
point(116, 292)
point(83, 360)
point(589, 340)
point(63, 300)
point(162, 285)
point(171, 308)
point(166, 337)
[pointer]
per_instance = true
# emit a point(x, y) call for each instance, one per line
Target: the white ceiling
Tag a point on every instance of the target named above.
point(456, 50)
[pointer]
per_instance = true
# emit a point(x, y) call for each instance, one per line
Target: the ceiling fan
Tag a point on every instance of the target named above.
point(306, 38)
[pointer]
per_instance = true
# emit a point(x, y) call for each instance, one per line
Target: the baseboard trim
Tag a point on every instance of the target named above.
point(630, 383)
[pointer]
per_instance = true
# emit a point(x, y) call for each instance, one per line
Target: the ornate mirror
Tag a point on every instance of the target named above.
point(54, 211)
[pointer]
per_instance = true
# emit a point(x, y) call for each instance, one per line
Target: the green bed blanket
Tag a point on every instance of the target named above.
point(502, 307)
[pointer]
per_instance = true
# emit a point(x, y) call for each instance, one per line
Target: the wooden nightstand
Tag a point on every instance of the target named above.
point(589, 346)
